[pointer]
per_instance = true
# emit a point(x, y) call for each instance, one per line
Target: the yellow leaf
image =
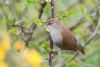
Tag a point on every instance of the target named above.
point(5, 42)
point(45, 65)
point(3, 64)
point(34, 58)
point(2, 54)
point(5, 45)
point(20, 44)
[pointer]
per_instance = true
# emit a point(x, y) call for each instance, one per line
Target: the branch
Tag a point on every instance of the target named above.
point(26, 33)
point(52, 8)
point(51, 44)
point(42, 6)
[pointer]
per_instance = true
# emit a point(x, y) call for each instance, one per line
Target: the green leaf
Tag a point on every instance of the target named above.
point(90, 2)
point(32, 1)
point(46, 46)
point(85, 12)
point(74, 64)
point(70, 14)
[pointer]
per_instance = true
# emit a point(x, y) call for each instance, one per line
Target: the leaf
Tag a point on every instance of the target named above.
point(74, 64)
point(90, 2)
point(70, 14)
point(19, 45)
point(47, 0)
point(46, 46)
point(3, 64)
point(85, 12)
point(33, 57)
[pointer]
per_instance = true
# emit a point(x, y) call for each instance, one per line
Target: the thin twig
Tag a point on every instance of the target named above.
point(50, 53)
point(50, 59)
point(51, 44)
point(26, 33)
point(52, 8)
point(42, 6)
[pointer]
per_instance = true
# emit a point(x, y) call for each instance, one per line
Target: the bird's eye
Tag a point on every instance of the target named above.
point(49, 23)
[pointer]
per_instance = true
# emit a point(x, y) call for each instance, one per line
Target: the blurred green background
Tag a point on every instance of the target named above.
point(22, 23)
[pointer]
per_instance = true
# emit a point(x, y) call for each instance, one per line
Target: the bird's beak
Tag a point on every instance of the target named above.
point(47, 30)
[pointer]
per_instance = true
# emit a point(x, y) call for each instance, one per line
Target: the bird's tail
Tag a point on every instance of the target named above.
point(80, 48)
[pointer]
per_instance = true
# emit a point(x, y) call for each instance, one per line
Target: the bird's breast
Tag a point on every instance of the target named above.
point(56, 36)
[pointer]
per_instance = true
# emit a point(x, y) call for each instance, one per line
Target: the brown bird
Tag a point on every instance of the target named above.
point(62, 37)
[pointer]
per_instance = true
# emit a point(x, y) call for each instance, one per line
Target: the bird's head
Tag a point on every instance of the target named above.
point(53, 24)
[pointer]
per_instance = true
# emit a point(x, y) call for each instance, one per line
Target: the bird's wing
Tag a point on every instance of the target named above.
point(69, 40)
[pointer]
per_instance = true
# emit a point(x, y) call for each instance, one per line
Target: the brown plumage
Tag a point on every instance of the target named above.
point(62, 36)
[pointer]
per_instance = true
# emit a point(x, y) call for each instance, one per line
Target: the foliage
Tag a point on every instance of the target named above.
point(20, 25)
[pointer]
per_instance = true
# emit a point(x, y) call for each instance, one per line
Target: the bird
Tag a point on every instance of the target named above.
point(61, 36)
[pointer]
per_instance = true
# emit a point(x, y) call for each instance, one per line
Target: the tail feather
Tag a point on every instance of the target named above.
point(80, 48)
